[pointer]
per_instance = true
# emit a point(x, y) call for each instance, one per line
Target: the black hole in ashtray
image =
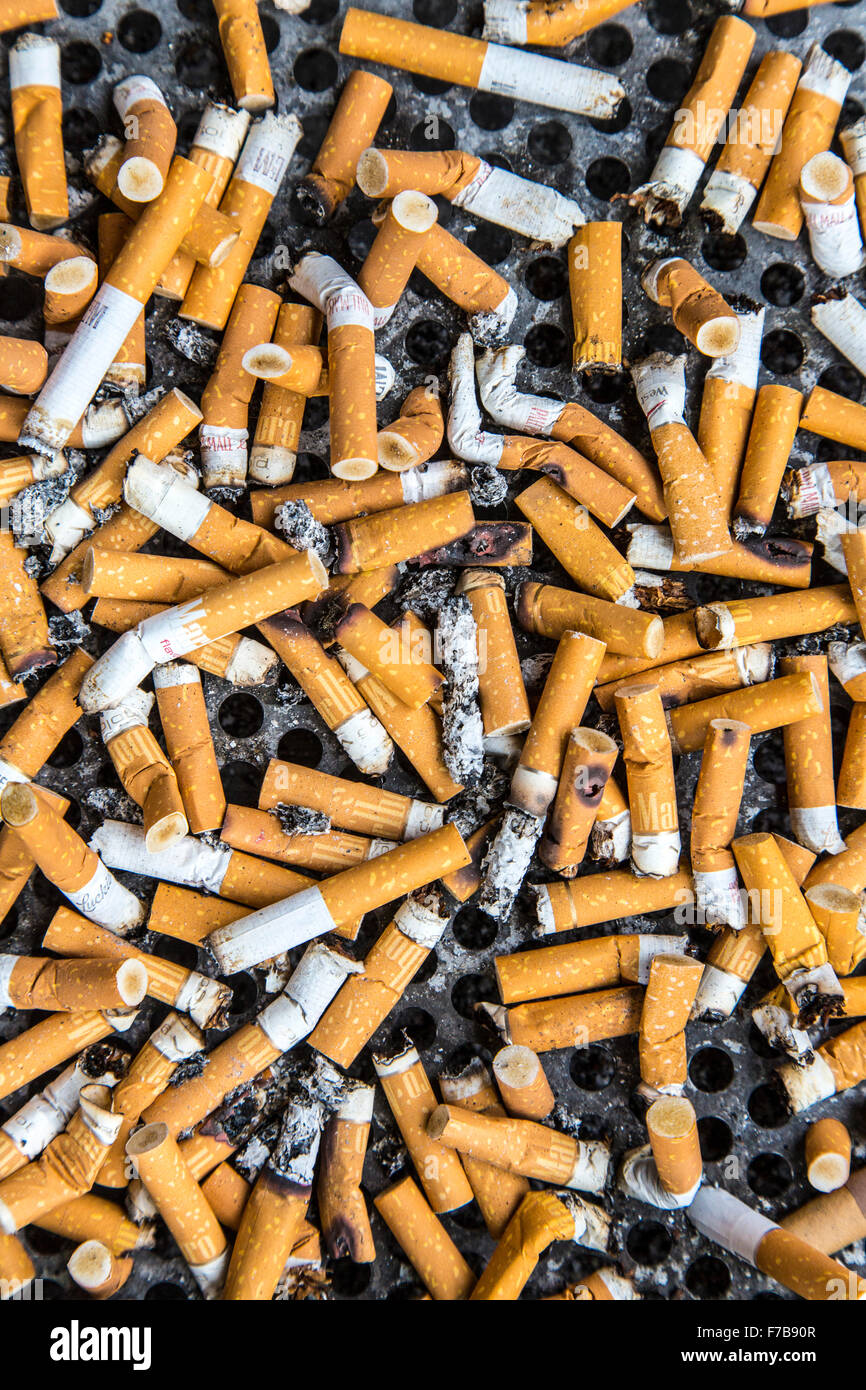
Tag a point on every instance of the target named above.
point(609, 45)
point(847, 47)
point(660, 337)
point(80, 9)
point(769, 1175)
point(166, 1293)
point(432, 134)
point(316, 413)
point(265, 244)
point(139, 31)
point(348, 1279)
point(603, 387)
point(708, 1277)
point(649, 1242)
point(844, 380)
point(782, 352)
point(606, 177)
point(471, 990)
point(547, 345)
point(420, 1026)
point(549, 142)
point(361, 237)
point(241, 782)
point(320, 12)
point(310, 466)
point(760, 1045)
point(180, 952)
point(592, 1068)
point(546, 278)
point(474, 930)
point(711, 1069)
point(428, 342)
point(314, 133)
point(769, 760)
point(669, 16)
point(270, 31)
point(788, 26)
point(241, 715)
point(783, 284)
point(315, 70)
point(68, 750)
point(46, 1242)
point(430, 86)
point(463, 1056)
point(80, 62)
point(200, 12)
point(492, 244)
point(18, 298)
point(612, 125)
point(198, 64)
point(724, 253)
point(668, 79)
point(716, 1138)
point(489, 111)
point(244, 992)
point(427, 969)
point(300, 746)
point(81, 129)
point(767, 1107)
point(187, 126)
point(435, 13)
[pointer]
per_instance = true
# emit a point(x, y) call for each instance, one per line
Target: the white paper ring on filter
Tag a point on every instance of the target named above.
point(651, 946)
point(505, 21)
point(134, 89)
point(718, 897)
point(250, 662)
point(743, 364)
point(422, 817)
point(318, 976)
point(521, 411)
point(115, 674)
point(165, 498)
point(722, 1217)
point(175, 673)
point(175, 1039)
point(433, 479)
point(423, 920)
point(834, 237)
point(187, 861)
point(675, 176)
point(279, 927)
point(549, 82)
point(591, 1222)
point(807, 1085)
point(532, 790)
point(350, 307)
point(222, 131)
point(719, 993)
point(366, 742)
point(656, 856)
point(543, 911)
point(730, 197)
point(843, 323)
point(531, 209)
point(397, 1064)
point(591, 1166)
point(639, 1178)
point(202, 998)
point(10, 773)
point(67, 525)
point(267, 151)
point(43, 1117)
point(211, 1276)
point(660, 386)
point(129, 713)
point(34, 61)
point(105, 901)
point(817, 828)
point(320, 279)
point(809, 489)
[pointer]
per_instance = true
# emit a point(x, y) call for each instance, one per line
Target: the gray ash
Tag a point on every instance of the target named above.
point(390, 1153)
point(189, 341)
point(137, 407)
point(425, 593)
point(225, 496)
point(287, 692)
point(105, 1059)
point(256, 1151)
point(110, 803)
point(294, 1154)
point(35, 567)
point(488, 486)
point(535, 670)
point(462, 727)
point(470, 809)
point(103, 514)
point(188, 1069)
point(301, 820)
point(67, 631)
point(296, 523)
point(507, 860)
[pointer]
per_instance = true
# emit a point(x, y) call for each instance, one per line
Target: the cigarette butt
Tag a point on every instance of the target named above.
point(673, 1133)
point(94, 1218)
point(25, 641)
point(17, 1270)
point(771, 438)
point(835, 417)
point(99, 425)
point(37, 108)
point(851, 787)
point(226, 398)
point(336, 499)
point(237, 659)
point(23, 365)
point(837, 1065)
point(70, 986)
point(144, 770)
point(566, 693)
point(809, 766)
point(504, 706)
point(698, 310)
point(416, 433)
point(837, 913)
point(468, 282)
point(698, 122)
point(246, 55)
point(610, 837)
point(401, 533)
point(589, 759)
point(749, 148)
point(730, 387)
point(355, 806)
point(763, 560)
point(578, 544)
point(184, 720)
point(832, 1221)
point(497, 1192)
point(258, 832)
point(771, 705)
point(166, 579)
point(808, 130)
point(157, 1161)
point(716, 807)
point(541, 1218)
point(412, 1103)
point(424, 1241)
point(583, 965)
point(357, 116)
point(604, 498)
point(402, 231)
point(550, 612)
point(342, 1209)
point(649, 771)
point(302, 371)
point(692, 498)
point(385, 173)
point(48, 715)
point(829, 206)
point(698, 678)
point(522, 1084)
point(150, 138)
point(828, 1155)
point(278, 428)
point(595, 289)
point(561, 907)
point(575, 1020)
point(604, 1286)
point(69, 287)
point(846, 870)
point(254, 184)
point(522, 1146)
point(35, 253)
point(741, 622)
point(67, 862)
point(846, 662)
point(391, 655)
point(389, 967)
point(94, 1268)
point(670, 993)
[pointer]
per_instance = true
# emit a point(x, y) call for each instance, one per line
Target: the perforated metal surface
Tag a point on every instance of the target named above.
point(749, 1145)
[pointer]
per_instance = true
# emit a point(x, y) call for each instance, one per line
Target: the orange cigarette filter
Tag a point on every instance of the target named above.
point(144, 770)
point(150, 138)
point(35, 253)
point(697, 678)
point(581, 965)
point(69, 287)
point(385, 173)
point(416, 434)
point(673, 1134)
point(652, 794)
point(762, 560)
point(16, 864)
point(337, 499)
point(851, 787)
point(599, 897)
point(424, 1240)
point(565, 695)
point(497, 1192)
point(828, 1155)
point(727, 402)
point(342, 1208)
point(23, 365)
point(226, 399)
point(579, 545)
point(402, 230)
point(387, 655)
point(16, 474)
point(502, 693)
point(670, 994)
point(186, 727)
point(356, 806)
point(854, 550)
point(156, 1159)
point(246, 54)
point(94, 1218)
point(389, 537)
point(234, 658)
point(808, 130)
point(45, 1045)
point(259, 833)
point(541, 1219)
point(809, 765)
point(548, 23)
point(47, 716)
point(71, 986)
point(604, 498)
point(550, 611)
point(357, 116)
point(716, 807)
point(25, 641)
point(833, 1220)
point(128, 576)
point(595, 289)
point(97, 1271)
point(771, 705)
point(412, 1103)
point(523, 1086)
point(302, 371)
point(698, 310)
point(281, 412)
point(837, 913)
point(835, 417)
point(771, 438)
point(465, 279)
point(522, 1146)
point(37, 109)
point(17, 1270)
point(589, 759)
point(742, 622)
point(576, 1020)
